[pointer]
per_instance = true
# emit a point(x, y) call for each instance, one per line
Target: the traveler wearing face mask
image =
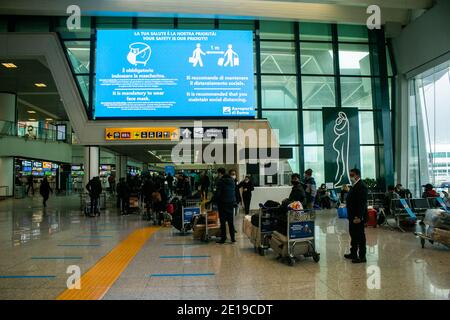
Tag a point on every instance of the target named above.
point(225, 197)
point(247, 188)
point(310, 187)
point(402, 192)
point(357, 216)
point(297, 192)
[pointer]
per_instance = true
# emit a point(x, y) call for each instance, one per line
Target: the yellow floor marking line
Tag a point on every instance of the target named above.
point(96, 282)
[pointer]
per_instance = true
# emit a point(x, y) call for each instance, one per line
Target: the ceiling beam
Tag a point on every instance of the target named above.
point(393, 4)
point(280, 10)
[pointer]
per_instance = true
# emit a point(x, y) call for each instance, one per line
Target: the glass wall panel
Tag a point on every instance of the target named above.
point(35, 24)
point(430, 98)
point(315, 31)
point(366, 128)
point(312, 127)
point(3, 24)
point(114, 23)
point(314, 159)
point(188, 23)
point(286, 123)
point(356, 92)
point(83, 81)
point(83, 33)
point(354, 59)
point(279, 92)
point(277, 57)
point(276, 30)
point(237, 24)
point(295, 161)
point(353, 33)
point(317, 58)
point(155, 23)
point(318, 92)
point(368, 167)
point(389, 63)
point(79, 52)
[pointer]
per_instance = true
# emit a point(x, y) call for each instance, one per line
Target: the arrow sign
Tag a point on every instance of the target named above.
point(109, 135)
point(186, 133)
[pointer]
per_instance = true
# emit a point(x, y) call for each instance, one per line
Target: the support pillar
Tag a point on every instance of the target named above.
point(91, 162)
point(8, 112)
point(7, 176)
point(121, 167)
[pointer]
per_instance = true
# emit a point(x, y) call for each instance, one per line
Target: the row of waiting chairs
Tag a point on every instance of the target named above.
point(418, 206)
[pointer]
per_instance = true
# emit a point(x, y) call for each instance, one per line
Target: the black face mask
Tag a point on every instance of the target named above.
point(295, 182)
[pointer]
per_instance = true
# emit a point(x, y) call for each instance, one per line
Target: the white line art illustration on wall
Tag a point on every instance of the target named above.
point(139, 53)
point(341, 145)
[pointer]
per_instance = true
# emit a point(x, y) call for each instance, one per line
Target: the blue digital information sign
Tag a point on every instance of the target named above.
point(174, 73)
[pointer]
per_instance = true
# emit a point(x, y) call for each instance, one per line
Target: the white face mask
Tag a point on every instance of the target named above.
point(233, 176)
point(353, 180)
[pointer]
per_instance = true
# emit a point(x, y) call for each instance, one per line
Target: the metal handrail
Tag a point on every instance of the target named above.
point(10, 128)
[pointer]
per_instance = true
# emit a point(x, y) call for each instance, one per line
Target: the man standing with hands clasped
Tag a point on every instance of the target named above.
point(357, 217)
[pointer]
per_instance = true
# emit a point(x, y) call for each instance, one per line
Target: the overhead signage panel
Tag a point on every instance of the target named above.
point(203, 132)
point(174, 73)
point(130, 134)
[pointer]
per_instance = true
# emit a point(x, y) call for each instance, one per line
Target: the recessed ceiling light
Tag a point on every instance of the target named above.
point(48, 119)
point(31, 119)
point(40, 85)
point(9, 65)
point(31, 111)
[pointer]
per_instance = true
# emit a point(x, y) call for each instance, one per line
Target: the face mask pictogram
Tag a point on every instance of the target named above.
point(139, 53)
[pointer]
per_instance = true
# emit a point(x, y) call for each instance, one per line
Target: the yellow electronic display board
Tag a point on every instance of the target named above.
point(127, 134)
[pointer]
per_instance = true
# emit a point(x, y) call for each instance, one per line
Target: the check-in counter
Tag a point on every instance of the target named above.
point(275, 193)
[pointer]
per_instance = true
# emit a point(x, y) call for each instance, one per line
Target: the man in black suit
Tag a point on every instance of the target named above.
point(357, 217)
point(225, 198)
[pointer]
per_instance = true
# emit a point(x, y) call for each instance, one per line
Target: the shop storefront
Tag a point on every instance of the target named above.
point(29, 173)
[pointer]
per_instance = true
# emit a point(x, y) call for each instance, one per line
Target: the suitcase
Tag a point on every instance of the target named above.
point(342, 213)
point(236, 61)
point(372, 218)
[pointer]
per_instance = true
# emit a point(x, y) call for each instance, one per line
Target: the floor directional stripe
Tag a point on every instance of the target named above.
point(184, 257)
point(96, 282)
point(181, 274)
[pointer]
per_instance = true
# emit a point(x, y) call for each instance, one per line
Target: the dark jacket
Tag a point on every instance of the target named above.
point(357, 201)
point(45, 189)
point(225, 191)
point(187, 191)
point(246, 185)
point(204, 181)
point(123, 190)
point(94, 187)
point(237, 193)
point(297, 193)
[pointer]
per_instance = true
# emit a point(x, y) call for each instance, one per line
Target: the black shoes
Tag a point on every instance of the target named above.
point(220, 241)
point(234, 240)
point(359, 260)
point(350, 256)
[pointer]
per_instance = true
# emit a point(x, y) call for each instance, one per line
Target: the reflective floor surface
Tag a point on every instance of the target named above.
point(37, 246)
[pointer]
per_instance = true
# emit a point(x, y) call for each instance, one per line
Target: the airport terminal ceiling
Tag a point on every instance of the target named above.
point(37, 95)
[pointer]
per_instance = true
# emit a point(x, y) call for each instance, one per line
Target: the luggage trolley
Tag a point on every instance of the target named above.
point(260, 239)
point(300, 233)
point(436, 226)
point(190, 209)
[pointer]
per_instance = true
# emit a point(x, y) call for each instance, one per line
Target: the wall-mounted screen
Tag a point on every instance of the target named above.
point(174, 73)
point(26, 163)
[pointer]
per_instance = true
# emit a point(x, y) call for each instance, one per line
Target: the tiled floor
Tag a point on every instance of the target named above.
point(397, 268)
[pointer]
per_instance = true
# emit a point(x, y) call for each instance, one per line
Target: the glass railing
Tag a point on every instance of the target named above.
point(9, 128)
